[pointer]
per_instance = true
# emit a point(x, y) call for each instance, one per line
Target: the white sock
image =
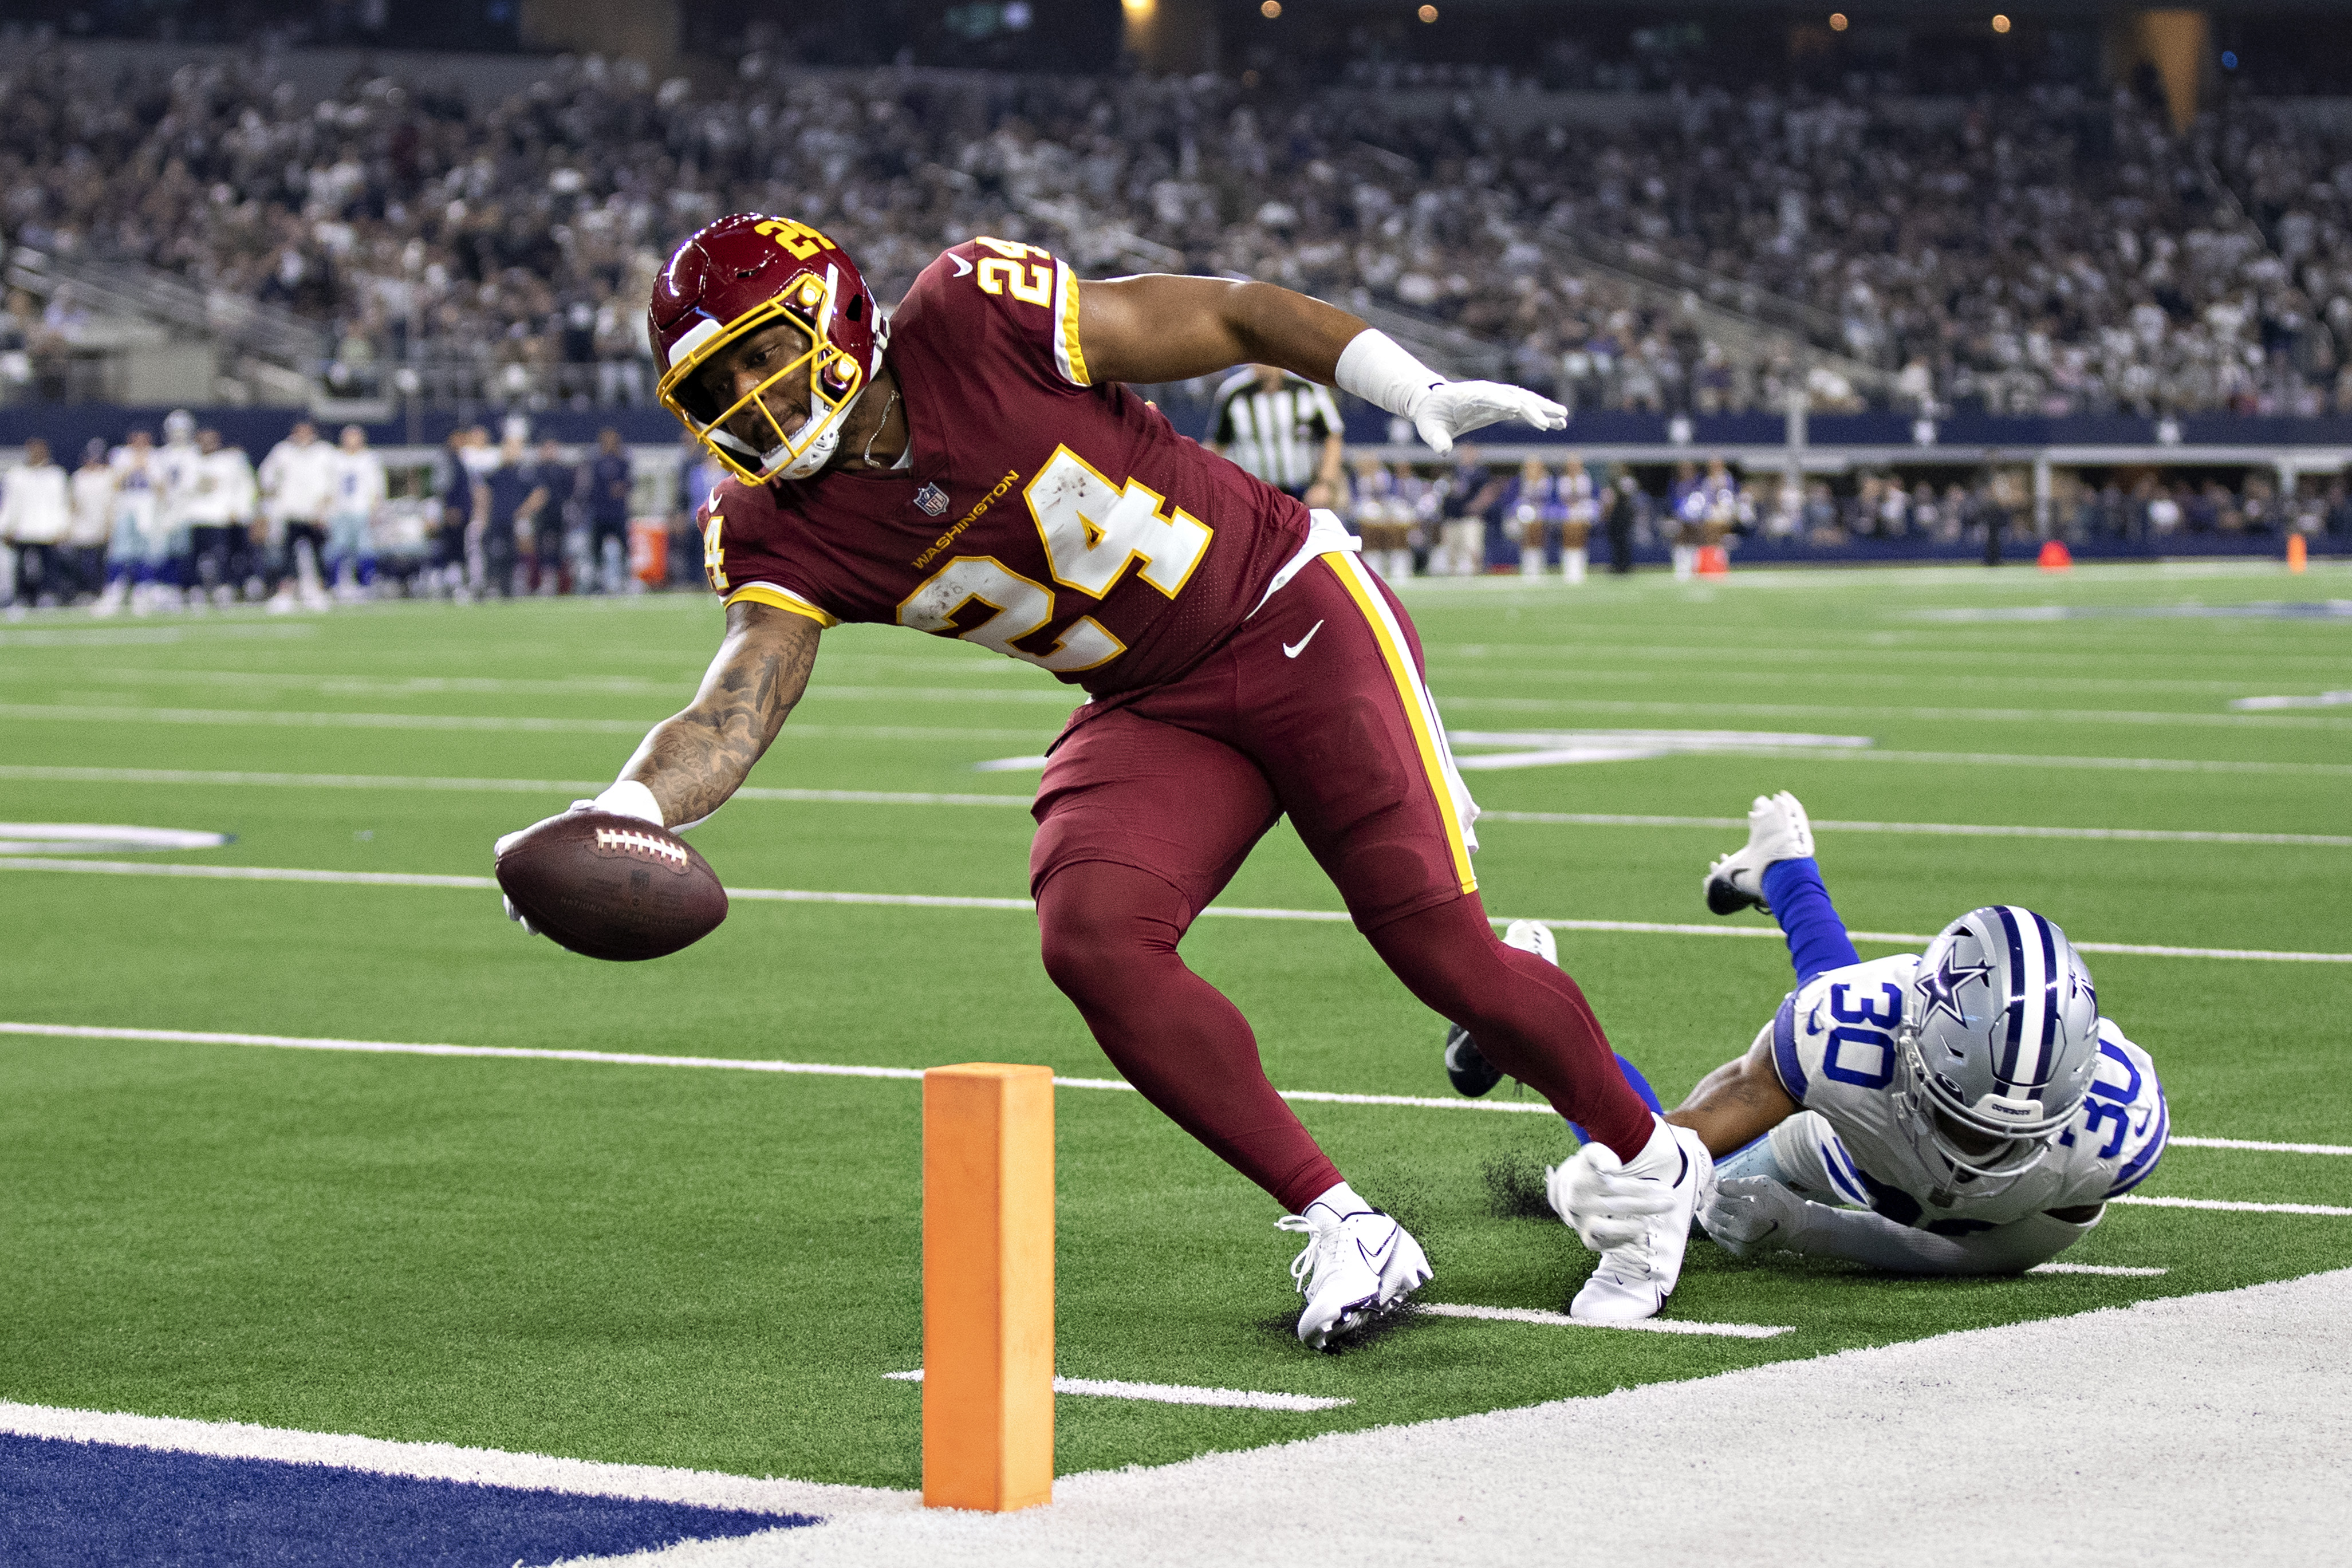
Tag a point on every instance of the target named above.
point(1342, 1201)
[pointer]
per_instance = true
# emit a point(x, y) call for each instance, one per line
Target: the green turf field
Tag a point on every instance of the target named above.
point(715, 1267)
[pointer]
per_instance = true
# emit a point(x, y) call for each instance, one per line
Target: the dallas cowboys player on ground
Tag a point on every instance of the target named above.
point(1964, 1111)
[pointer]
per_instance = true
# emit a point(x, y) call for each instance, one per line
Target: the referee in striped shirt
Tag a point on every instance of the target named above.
point(1282, 428)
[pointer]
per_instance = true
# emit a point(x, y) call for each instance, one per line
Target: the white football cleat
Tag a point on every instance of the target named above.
point(1776, 830)
point(1353, 1266)
point(1637, 1215)
point(1533, 936)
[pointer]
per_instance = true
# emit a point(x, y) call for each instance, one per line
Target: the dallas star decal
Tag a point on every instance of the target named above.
point(1942, 988)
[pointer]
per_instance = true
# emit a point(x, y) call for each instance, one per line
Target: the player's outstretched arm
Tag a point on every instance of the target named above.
point(1160, 327)
point(1737, 1103)
point(1756, 1214)
point(699, 756)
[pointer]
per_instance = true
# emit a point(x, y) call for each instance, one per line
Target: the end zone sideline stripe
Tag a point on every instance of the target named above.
point(841, 1070)
point(439, 1461)
point(953, 901)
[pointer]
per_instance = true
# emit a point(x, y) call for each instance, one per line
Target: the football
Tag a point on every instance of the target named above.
point(611, 887)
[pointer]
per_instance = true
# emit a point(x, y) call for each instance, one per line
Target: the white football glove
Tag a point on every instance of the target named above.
point(1455, 409)
point(1604, 1206)
point(1749, 1215)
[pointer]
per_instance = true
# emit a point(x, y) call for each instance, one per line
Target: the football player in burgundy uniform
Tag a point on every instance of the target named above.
point(974, 467)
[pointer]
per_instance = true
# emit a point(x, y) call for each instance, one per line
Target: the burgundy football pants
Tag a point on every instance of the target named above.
point(1149, 806)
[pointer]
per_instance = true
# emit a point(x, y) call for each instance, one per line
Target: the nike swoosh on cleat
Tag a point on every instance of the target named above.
point(1375, 1255)
point(1293, 649)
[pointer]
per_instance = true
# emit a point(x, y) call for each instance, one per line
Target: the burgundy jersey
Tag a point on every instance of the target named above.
point(1059, 521)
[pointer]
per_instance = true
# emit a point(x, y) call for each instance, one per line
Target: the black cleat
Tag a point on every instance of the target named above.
point(1465, 1066)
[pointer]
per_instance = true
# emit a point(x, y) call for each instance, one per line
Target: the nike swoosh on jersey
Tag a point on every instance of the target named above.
point(1293, 649)
point(962, 266)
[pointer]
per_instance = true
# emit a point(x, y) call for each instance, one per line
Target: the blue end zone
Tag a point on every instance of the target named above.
point(94, 1505)
point(1641, 1087)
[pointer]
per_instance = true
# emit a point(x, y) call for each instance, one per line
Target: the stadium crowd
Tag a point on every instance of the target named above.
point(2049, 249)
point(191, 523)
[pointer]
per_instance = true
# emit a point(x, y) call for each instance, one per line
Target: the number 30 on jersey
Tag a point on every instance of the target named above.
point(1093, 531)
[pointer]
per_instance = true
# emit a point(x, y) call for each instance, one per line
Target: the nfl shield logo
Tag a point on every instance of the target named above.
point(932, 500)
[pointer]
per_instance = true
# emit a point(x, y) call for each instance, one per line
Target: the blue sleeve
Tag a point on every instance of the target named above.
point(1817, 940)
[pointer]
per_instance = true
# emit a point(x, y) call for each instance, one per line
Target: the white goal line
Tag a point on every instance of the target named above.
point(962, 901)
point(228, 779)
point(846, 1070)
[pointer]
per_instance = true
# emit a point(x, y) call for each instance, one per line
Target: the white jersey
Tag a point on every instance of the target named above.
point(219, 490)
point(93, 507)
point(172, 467)
point(298, 481)
point(1833, 1050)
point(138, 488)
point(33, 508)
point(356, 484)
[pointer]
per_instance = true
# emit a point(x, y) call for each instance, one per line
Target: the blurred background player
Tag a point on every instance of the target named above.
point(92, 493)
point(33, 513)
point(135, 557)
point(298, 486)
point(457, 488)
point(175, 469)
point(218, 508)
point(554, 477)
point(1465, 497)
point(1532, 515)
point(1280, 427)
point(1970, 1110)
point(1579, 508)
point(1383, 519)
point(358, 491)
point(1622, 512)
point(610, 481)
point(512, 499)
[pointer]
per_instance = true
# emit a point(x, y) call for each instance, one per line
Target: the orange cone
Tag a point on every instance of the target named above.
point(2297, 552)
point(2055, 556)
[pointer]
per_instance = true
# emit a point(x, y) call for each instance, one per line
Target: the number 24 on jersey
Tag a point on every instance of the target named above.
point(1093, 531)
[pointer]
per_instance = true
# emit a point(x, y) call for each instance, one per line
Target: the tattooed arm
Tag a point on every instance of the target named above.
point(1737, 1103)
point(695, 759)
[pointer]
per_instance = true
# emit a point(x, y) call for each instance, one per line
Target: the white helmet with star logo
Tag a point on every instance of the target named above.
point(1998, 1041)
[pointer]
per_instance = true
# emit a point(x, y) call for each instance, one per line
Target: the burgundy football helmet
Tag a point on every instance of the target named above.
point(741, 275)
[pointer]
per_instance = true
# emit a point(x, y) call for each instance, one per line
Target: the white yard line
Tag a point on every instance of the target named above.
point(952, 902)
point(1846, 714)
point(2230, 1207)
point(2117, 1269)
point(1172, 1393)
point(35, 773)
point(2259, 1145)
point(79, 714)
point(1562, 1320)
point(445, 1462)
point(38, 774)
point(846, 1070)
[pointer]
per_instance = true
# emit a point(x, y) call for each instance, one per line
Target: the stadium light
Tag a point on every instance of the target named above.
point(1270, 9)
point(1837, 21)
point(2000, 24)
point(1139, 10)
point(1427, 13)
